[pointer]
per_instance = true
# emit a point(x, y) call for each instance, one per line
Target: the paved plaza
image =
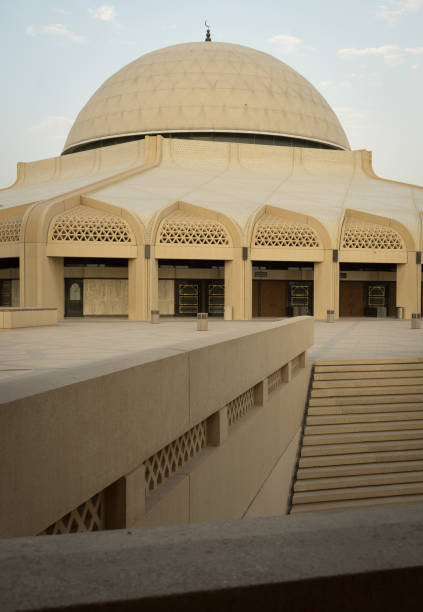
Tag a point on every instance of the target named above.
point(87, 343)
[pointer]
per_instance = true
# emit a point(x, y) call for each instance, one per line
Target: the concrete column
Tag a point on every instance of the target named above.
point(125, 500)
point(137, 289)
point(143, 287)
point(217, 427)
point(41, 279)
point(238, 287)
point(409, 282)
point(326, 287)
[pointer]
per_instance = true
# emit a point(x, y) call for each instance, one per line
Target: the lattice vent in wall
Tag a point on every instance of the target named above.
point(10, 228)
point(166, 461)
point(361, 235)
point(183, 228)
point(275, 380)
point(273, 231)
point(238, 407)
point(89, 516)
point(83, 224)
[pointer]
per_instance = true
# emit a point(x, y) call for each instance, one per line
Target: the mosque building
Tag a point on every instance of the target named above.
point(209, 177)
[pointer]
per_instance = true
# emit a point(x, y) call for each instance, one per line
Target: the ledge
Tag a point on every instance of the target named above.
point(349, 561)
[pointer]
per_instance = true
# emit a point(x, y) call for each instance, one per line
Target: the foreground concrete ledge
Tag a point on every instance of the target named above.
point(361, 560)
point(30, 381)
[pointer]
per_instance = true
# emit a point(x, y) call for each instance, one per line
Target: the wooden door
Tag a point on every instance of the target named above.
point(269, 298)
point(74, 306)
point(351, 299)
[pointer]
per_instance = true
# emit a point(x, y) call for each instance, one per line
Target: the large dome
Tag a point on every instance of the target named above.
point(206, 87)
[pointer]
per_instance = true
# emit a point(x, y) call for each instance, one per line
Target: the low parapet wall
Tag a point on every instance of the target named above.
point(367, 561)
point(185, 434)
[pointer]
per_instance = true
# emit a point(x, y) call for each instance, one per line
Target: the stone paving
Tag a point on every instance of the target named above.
point(78, 342)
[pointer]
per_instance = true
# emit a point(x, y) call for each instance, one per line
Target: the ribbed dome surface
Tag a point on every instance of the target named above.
point(208, 86)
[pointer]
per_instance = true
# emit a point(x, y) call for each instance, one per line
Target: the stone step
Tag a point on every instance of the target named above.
point(362, 447)
point(360, 458)
point(370, 417)
point(366, 399)
point(359, 469)
point(354, 504)
point(319, 369)
point(372, 375)
point(359, 480)
point(356, 437)
point(368, 382)
point(368, 391)
point(378, 426)
point(357, 409)
point(368, 361)
point(367, 492)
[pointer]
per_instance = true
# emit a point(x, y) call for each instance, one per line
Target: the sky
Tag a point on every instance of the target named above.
point(364, 56)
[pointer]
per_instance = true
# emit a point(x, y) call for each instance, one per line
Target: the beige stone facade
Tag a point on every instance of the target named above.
point(200, 212)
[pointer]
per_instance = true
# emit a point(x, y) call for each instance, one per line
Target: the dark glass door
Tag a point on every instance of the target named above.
point(215, 298)
point(74, 306)
point(187, 298)
point(376, 296)
point(300, 298)
point(5, 292)
point(194, 296)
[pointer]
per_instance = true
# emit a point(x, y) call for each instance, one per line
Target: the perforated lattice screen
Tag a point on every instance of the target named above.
point(182, 228)
point(238, 407)
point(166, 461)
point(275, 380)
point(10, 228)
point(273, 231)
point(89, 516)
point(82, 224)
point(361, 235)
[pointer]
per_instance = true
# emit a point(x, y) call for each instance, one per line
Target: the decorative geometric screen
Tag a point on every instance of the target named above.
point(273, 231)
point(182, 228)
point(10, 229)
point(166, 461)
point(362, 235)
point(82, 224)
point(275, 380)
point(89, 516)
point(238, 407)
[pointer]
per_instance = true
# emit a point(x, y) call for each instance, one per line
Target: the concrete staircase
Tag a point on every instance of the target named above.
point(363, 438)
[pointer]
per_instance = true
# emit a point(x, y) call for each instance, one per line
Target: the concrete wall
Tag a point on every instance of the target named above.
point(105, 296)
point(83, 430)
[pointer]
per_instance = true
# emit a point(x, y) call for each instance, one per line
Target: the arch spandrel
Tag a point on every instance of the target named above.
point(278, 234)
point(192, 232)
point(371, 238)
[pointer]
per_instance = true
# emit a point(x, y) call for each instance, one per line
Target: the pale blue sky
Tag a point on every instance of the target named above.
point(365, 57)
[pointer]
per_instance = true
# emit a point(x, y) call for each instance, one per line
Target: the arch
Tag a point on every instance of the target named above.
point(85, 224)
point(277, 228)
point(187, 225)
point(364, 231)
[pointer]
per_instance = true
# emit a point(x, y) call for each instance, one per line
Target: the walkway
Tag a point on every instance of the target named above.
point(78, 342)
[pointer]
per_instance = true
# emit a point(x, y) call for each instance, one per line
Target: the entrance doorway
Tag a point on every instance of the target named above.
point(282, 288)
point(200, 295)
point(364, 288)
point(74, 306)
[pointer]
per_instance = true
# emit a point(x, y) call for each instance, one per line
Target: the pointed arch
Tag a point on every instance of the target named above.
point(185, 230)
point(371, 238)
point(279, 234)
point(84, 230)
